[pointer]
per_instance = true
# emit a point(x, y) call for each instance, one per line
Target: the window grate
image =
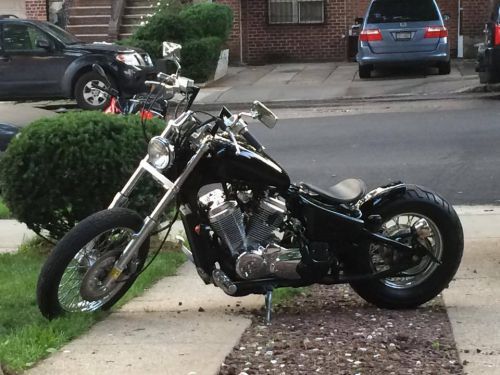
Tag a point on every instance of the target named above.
point(296, 11)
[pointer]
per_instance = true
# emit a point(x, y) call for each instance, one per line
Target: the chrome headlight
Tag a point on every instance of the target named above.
point(161, 153)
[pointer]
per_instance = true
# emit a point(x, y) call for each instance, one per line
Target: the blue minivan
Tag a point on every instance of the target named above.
point(403, 32)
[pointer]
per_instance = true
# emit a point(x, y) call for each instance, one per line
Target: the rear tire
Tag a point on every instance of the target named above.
point(426, 204)
point(444, 68)
point(66, 251)
point(365, 71)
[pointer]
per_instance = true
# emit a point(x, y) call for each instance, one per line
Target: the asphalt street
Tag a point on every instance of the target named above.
point(451, 147)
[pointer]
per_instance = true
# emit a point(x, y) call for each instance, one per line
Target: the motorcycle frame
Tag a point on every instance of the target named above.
point(172, 188)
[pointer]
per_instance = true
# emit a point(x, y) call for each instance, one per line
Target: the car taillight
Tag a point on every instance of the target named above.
point(496, 35)
point(370, 35)
point(436, 32)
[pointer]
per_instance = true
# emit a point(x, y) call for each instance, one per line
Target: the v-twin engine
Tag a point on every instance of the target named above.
point(251, 237)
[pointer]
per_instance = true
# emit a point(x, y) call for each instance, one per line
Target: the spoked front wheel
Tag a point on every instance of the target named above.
point(72, 278)
point(440, 255)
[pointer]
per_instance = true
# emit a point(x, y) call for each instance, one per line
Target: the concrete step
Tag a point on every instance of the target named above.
point(128, 29)
point(95, 29)
point(133, 10)
point(141, 3)
point(90, 11)
point(135, 19)
point(89, 20)
point(91, 3)
point(124, 36)
point(90, 38)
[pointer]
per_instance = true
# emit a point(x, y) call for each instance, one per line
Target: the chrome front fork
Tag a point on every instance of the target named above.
point(151, 221)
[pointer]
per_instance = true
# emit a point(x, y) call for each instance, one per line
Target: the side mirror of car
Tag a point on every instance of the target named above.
point(359, 20)
point(43, 43)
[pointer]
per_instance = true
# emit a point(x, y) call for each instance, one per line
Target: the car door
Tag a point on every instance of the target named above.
point(29, 61)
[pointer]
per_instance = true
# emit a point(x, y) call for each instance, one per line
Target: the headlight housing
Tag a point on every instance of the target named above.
point(161, 153)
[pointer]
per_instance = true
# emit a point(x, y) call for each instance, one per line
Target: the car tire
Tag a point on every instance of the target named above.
point(83, 97)
point(444, 68)
point(365, 71)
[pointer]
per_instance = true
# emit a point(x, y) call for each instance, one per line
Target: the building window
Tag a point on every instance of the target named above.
point(296, 11)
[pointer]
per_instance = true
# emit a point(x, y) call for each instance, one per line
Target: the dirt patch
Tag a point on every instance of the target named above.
point(330, 330)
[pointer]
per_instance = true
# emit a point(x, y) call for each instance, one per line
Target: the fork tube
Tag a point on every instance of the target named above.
point(151, 220)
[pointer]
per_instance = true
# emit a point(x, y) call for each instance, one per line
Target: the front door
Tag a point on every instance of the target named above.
point(29, 61)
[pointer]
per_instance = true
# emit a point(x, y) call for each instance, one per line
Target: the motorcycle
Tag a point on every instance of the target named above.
point(250, 230)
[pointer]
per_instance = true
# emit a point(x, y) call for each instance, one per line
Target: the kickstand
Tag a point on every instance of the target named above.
point(269, 305)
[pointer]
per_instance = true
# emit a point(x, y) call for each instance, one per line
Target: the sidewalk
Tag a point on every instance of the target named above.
point(181, 326)
point(304, 83)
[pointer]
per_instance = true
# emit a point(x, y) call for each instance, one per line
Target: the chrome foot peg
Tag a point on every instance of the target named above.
point(269, 305)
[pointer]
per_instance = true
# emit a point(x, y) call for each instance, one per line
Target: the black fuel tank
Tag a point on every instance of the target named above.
point(247, 166)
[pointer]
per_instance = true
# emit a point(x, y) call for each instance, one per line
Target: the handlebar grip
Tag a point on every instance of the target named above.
point(252, 141)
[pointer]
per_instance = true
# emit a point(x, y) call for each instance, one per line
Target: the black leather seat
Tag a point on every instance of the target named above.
point(345, 192)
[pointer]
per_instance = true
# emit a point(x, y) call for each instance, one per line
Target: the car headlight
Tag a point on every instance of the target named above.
point(132, 59)
point(161, 153)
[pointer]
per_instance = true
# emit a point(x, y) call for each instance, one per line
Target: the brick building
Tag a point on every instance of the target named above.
point(261, 36)
point(33, 9)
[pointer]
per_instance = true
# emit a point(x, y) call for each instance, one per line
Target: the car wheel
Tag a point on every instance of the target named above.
point(444, 68)
point(365, 71)
point(87, 97)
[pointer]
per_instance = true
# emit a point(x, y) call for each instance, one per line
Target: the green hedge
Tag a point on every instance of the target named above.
point(62, 169)
point(202, 29)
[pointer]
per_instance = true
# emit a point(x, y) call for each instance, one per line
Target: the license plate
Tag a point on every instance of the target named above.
point(403, 36)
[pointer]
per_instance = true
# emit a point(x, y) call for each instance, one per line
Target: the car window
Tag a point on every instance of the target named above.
point(61, 34)
point(22, 38)
point(385, 11)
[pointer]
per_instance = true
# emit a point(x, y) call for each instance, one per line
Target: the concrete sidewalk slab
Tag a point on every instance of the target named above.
point(473, 299)
point(12, 235)
point(163, 332)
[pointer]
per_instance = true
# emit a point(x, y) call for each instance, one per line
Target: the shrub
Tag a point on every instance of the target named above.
point(62, 169)
point(203, 26)
point(205, 19)
point(199, 57)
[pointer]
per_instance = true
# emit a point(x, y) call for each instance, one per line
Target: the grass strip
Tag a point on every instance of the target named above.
point(25, 335)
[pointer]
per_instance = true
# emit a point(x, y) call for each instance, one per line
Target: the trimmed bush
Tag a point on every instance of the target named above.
point(206, 19)
point(62, 169)
point(199, 57)
point(202, 29)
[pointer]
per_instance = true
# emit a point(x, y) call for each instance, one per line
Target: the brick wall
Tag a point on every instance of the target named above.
point(273, 43)
point(263, 43)
point(234, 39)
point(36, 9)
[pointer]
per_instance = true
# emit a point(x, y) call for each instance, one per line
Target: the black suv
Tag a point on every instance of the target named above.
point(488, 59)
point(39, 60)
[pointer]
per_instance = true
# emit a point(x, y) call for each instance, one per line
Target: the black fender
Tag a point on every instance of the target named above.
point(380, 196)
point(83, 65)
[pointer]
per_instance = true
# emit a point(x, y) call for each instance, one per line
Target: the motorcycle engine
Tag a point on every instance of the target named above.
point(251, 235)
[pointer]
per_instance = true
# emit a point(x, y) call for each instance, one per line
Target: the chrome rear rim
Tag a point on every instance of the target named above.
point(399, 228)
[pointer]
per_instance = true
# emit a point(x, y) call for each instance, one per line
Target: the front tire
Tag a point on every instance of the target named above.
point(84, 257)
point(432, 277)
point(88, 98)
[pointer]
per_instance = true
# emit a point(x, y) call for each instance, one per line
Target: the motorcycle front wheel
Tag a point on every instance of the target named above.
point(71, 279)
point(428, 278)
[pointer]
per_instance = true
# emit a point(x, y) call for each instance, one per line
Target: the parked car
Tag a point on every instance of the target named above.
point(488, 57)
point(403, 32)
point(39, 60)
point(14, 117)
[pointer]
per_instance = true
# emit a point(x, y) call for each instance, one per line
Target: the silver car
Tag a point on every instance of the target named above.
point(403, 32)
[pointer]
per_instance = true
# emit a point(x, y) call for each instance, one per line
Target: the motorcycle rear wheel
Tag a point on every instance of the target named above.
point(81, 260)
point(425, 281)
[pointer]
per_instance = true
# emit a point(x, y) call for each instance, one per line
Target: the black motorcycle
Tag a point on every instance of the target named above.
point(250, 230)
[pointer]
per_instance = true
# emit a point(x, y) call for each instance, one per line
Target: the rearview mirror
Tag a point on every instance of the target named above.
point(171, 51)
point(358, 20)
point(264, 114)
